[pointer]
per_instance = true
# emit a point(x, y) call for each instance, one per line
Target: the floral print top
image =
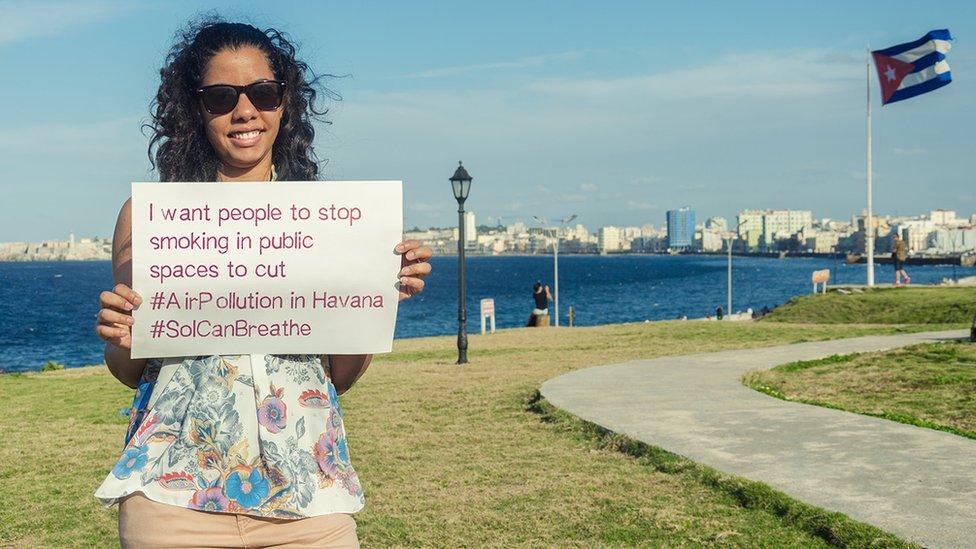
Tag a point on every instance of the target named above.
point(253, 434)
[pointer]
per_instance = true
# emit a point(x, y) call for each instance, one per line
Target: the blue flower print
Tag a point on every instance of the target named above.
point(247, 489)
point(133, 459)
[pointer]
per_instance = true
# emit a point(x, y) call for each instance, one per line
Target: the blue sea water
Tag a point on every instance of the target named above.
point(47, 308)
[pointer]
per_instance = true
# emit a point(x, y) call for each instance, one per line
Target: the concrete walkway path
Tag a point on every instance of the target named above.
point(917, 483)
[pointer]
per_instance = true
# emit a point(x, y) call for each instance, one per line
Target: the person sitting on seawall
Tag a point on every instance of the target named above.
point(542, 296)
point(899, 254)
point(233, 450)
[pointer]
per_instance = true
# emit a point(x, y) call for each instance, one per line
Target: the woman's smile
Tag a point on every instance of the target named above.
point(246, 138)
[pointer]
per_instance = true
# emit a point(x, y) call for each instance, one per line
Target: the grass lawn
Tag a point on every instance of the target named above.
point(931, 385)
point(905, 305)
point(448, 455)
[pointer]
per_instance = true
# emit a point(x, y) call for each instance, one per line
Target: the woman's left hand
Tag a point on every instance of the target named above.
point(413, 267)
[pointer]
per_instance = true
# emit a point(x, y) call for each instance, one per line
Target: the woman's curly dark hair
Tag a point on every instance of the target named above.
point(182, 150)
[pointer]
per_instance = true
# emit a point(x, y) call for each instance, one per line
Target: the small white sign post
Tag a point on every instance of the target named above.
point(820, 277)
point(265, 267)
point(487, 310)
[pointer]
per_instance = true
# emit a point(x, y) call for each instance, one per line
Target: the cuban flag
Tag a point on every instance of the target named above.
point(913, 68)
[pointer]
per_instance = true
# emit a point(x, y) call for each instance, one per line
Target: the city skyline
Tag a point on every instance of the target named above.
point(650, 109)
point(939, 232)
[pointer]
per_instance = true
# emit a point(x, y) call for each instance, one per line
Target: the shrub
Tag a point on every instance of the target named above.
point(52, 365)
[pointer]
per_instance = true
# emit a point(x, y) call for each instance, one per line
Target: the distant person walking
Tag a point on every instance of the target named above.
point(542, 296)
point(718, 312)
point(899, 254)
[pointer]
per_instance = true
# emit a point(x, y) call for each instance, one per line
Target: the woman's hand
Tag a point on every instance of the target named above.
point(413, 267)
point(114, 323)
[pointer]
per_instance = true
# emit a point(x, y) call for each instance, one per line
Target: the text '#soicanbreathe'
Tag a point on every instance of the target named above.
point(173, 329)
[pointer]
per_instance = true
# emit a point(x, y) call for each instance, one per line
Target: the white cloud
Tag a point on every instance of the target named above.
point(23, 20)
point(640, 205)
point(755, 75)
point(423, 207)
point(524, 62)
point(572, 198)
point(589, 187)
point(118, 132)
point(912, 151)
point(645, 180)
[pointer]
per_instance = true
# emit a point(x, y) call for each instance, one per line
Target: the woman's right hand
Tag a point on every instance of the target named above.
point(114, 322)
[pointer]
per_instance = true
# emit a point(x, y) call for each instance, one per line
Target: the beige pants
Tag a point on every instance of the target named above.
point(144, 523)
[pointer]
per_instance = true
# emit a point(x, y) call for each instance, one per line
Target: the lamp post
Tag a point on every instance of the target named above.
point(555, 258)
point(461, 185)
point(728, 303)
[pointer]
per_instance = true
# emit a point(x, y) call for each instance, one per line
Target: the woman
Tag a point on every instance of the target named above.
point(899, 255)
point(233, 450)
point(541, 295)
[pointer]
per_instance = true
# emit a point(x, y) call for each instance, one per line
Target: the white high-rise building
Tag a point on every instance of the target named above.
point(608, 239)
point(470, 228)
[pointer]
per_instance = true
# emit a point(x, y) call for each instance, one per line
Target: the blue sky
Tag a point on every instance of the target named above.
point(615, 111)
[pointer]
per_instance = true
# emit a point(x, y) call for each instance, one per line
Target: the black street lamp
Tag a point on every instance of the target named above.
point(461, 184)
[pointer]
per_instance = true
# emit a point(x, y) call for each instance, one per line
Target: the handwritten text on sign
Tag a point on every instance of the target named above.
point(265, 267)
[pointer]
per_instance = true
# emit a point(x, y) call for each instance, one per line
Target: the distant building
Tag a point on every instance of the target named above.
point(953, 241)
point(717, 224)
point(750, 223)
point(942, 217)
point(823, 242)
point(578, 233)
point(681, 228)
point(881, 229)
point(470, 227)
point(517, 228)
point(608, 239)
point(784, 224)
point(916, 233)
point(631, 233)
point(711, 240)
point(649, 244)
point(761, 228)
point(57, 250)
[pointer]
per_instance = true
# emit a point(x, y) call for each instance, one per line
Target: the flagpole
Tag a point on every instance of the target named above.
point(869, 222)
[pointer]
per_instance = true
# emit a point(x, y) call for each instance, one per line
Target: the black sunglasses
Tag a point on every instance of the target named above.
point(265, 95)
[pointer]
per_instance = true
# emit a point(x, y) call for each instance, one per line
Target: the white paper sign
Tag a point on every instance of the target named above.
point(265, 267)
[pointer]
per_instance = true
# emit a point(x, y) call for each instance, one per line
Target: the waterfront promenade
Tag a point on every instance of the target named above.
point(911, 481)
